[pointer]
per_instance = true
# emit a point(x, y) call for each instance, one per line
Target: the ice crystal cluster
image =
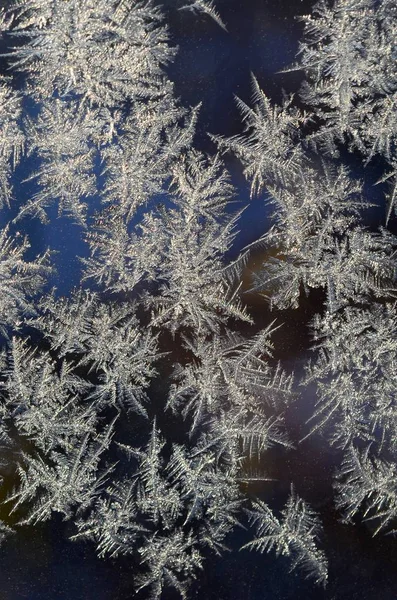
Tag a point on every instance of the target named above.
point(135, 406)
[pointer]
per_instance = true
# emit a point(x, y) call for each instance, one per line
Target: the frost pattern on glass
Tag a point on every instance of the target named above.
point(144, 405)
